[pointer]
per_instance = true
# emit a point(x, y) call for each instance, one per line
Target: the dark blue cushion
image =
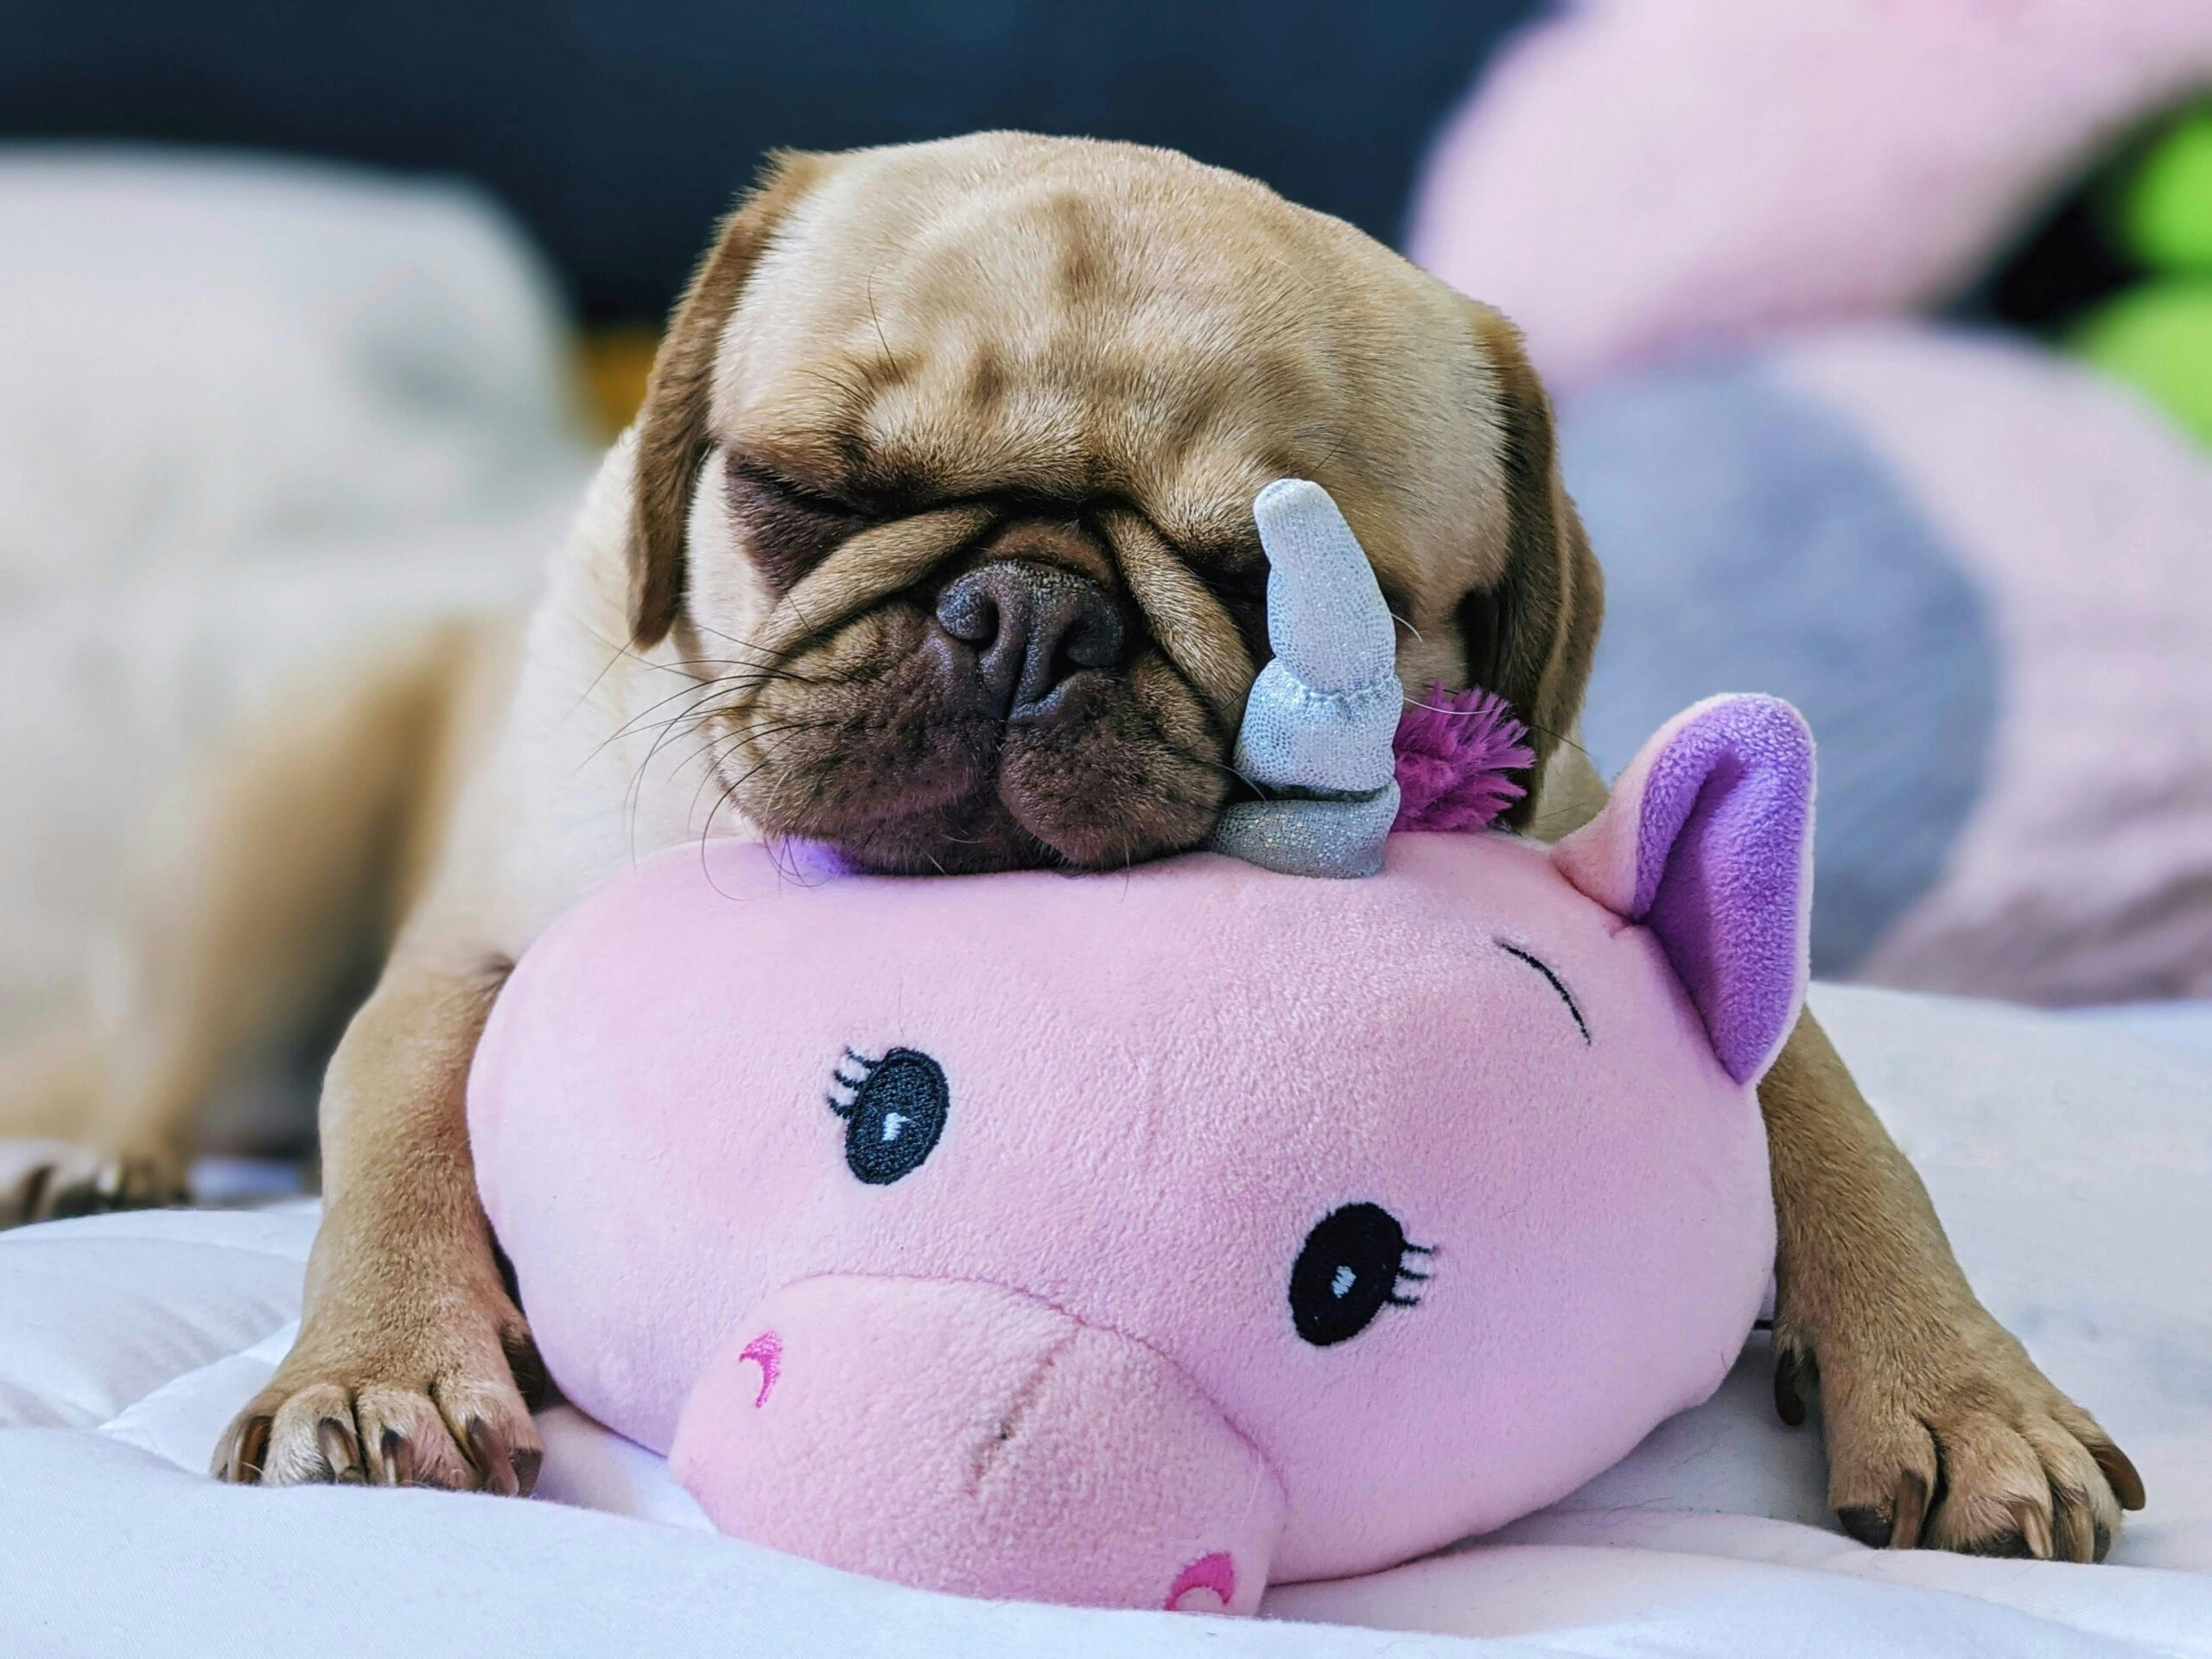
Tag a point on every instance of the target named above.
point(620, 128)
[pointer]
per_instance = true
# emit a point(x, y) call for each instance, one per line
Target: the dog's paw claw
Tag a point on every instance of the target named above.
point(456, 1422)
point(1894, 1523)
point(243, 1449)
point(2119, 1472)
point(397, 1465)
point(340, 1452)
point(1967, 1447)
point(54, 1181)
point(1792, 1383)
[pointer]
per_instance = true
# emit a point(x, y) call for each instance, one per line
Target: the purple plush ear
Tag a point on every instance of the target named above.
point(1708, 841)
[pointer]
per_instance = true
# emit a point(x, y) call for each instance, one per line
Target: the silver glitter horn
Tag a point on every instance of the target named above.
point(1316, 741)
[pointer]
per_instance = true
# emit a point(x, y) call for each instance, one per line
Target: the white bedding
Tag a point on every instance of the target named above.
point(2073, 1163)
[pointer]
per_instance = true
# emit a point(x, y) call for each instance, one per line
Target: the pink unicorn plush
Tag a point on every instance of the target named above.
point(1137, 1239)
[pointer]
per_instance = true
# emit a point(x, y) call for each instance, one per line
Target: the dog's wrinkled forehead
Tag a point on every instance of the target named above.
point(1084, 320)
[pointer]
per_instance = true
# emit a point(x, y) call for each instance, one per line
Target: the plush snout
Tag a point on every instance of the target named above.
point(963, 1437)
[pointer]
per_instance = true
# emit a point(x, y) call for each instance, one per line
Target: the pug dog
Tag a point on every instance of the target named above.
point(933, 542)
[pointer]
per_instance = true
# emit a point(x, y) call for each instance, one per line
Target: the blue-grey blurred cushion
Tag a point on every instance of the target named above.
point(1986, 577)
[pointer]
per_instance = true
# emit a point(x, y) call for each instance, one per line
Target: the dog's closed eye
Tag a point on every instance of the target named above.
point(1238, 579)
point(1242, 585)
point(786, 527)
point(1237, 575)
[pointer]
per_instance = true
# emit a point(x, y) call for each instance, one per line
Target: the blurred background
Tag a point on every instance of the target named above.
point(1881, 338)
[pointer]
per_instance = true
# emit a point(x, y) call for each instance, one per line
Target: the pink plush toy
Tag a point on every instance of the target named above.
point(1137, 1239)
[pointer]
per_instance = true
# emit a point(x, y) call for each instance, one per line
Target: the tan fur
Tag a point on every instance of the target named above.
point(672, 436)
point(1090, 330)
point(300, 842)
point(1530, 637)
point(1940, 1430)
point(898, 362)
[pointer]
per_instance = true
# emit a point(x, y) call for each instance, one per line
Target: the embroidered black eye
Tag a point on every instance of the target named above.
point(1348, 1271)
point(895, 1116)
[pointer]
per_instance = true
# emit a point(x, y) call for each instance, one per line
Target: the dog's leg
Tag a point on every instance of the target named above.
point(405, 1372)
point(253, 888)
point(52, 1161)
point(412, 1361)
point(1940, 1431)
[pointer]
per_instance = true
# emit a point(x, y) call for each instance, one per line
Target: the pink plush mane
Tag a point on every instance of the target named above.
point(1457, 751)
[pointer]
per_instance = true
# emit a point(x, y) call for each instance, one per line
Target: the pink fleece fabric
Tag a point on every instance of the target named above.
point(1091, 1346)
point(1634, 178)
point(1718, 861)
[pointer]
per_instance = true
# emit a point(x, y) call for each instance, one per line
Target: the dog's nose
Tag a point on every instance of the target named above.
point(1032, 627)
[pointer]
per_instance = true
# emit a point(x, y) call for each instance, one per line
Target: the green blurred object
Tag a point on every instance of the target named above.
point(2157, 337)
point(2166, 208)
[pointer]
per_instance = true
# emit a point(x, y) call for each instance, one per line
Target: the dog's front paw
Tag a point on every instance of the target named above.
point(441, 1402)
point(1943, 1434)
point(47, 1180)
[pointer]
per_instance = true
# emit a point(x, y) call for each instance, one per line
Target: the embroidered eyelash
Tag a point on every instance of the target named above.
point(844, 1108)
point(1405, 1272)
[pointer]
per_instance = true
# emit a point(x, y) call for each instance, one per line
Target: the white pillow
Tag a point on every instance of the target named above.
point(200, 354)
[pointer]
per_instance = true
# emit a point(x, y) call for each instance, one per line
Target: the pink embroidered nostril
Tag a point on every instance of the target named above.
point(1216, 1572)
point(765, 1351)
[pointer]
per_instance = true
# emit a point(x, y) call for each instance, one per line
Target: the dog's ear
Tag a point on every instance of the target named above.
point(673, 437)
point(1530, 637)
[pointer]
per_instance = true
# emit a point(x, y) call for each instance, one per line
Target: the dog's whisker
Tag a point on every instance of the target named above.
point(639, 727)
point(705, 693)
point(730, 793)
point(890, 367)
point(633, 795)
point(723, 749)
point(710, 698)
point(706, 832)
